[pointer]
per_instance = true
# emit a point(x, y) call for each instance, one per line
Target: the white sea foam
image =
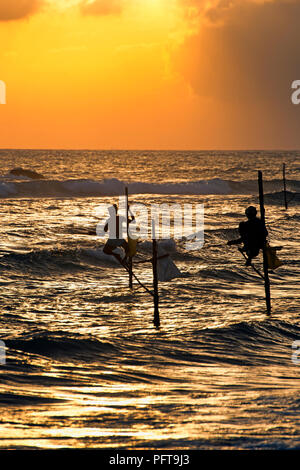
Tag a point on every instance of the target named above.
point(10, 187)
point(7, 189)
point(108, 187)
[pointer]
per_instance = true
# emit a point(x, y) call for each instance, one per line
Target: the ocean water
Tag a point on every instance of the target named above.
point(85, 365)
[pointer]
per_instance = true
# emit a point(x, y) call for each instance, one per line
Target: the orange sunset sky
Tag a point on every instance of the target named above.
point(149, 74)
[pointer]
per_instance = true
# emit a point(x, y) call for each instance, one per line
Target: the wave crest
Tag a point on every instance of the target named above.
point(115, 187)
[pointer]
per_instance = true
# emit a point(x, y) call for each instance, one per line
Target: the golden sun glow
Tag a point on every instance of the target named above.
point(140, 74)
point(90, 80)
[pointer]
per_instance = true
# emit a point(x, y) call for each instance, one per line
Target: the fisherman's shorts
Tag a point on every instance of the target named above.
point(112, 244)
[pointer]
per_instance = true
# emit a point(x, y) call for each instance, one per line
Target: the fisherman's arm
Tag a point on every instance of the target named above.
point(132, 216)
point(235, 242)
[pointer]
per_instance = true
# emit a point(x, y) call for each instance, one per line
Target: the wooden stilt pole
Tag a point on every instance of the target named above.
point(155, 278)
point(284, 186)
point(130, 258)
point(130, 273)
point(265, 260)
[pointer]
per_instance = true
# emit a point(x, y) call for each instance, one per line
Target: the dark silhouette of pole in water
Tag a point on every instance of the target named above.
point(265, 260)
point(155, 278)
point(284, 186)
point(130, 258)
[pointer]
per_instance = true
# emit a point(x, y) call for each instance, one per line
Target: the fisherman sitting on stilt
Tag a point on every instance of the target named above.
point(253, 235)
point(116, 226)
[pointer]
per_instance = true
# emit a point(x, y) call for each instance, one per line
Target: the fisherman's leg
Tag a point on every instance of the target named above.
point(125, 247)
point(120, 244)
point(107, 250)
point(252, 252)
point(110, 247)
point(249, 260)
point(118, 257)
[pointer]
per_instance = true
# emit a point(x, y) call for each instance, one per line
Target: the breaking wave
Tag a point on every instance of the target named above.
point(115, 187)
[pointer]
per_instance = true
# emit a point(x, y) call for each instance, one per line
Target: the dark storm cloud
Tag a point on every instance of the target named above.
point(246, 53)
point(247, 50)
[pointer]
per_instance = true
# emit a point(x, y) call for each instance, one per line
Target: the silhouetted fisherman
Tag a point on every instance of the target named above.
point(253, 235)
point(114, 225)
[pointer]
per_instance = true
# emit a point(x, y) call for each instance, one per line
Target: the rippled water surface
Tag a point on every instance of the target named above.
point(85, 366)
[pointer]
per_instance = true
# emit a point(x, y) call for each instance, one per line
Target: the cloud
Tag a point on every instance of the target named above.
point(246, 49)
point(17, 9)
point(246, 55)
point(102, 7)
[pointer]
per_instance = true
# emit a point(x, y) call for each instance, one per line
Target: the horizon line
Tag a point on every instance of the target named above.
point(155, 149)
